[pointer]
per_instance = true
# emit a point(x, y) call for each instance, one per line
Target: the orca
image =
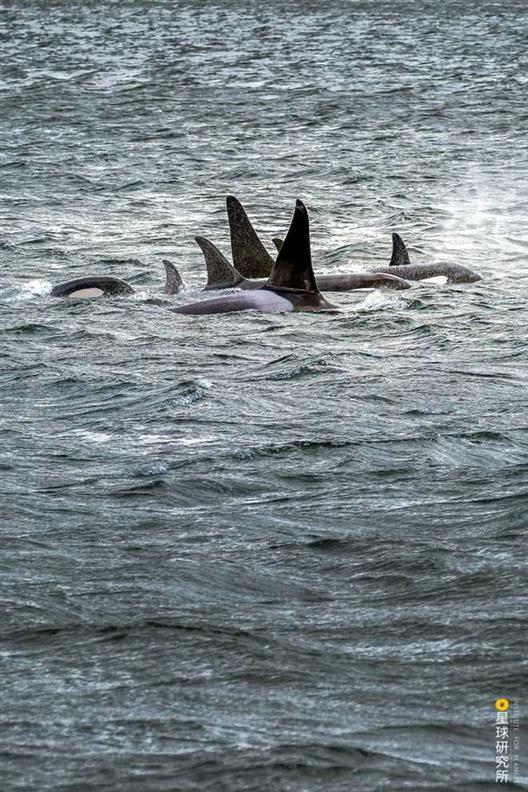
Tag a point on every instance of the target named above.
point(400, 265)
point(106, 286)
point(291, 285)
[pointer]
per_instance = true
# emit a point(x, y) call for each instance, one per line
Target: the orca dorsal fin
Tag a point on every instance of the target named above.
point(400, 256)
point(220, 273)
point(293, 268)
point(250, 257)
point(173, 282)
point(278, 242)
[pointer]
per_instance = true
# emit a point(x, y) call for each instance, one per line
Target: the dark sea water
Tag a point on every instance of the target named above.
point(255, 551)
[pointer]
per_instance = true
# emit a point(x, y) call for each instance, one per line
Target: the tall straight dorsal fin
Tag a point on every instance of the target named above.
point(173, 282)
point(400, 256)
point(293, 267)
point(250, 257)
point(220, 273)
point(278, 242)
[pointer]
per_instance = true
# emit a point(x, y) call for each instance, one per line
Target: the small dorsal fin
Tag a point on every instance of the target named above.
point(173, 283)
point(220, 273)
point(278, 242)
point(293, 267)
point(400, 256)
point(250, 257)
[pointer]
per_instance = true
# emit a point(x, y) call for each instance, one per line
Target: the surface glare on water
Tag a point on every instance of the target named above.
point(254, 551)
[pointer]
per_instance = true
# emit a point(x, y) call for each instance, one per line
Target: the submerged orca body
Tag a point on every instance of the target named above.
point(291, 285)
point(252, 263)
point(362, 280)
point(107, 286)
point(260, 299)
point(400, 265)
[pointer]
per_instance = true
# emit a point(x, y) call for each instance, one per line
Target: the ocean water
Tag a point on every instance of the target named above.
point(261, 552)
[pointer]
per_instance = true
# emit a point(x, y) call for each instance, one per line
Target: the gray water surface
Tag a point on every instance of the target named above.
point(261, 552)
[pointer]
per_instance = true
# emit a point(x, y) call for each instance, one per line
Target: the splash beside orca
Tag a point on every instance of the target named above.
point(291, 285)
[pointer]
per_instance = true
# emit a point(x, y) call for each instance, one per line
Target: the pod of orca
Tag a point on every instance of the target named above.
point(286, 283)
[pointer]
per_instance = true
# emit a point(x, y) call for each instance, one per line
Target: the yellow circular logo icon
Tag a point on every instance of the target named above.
point(502, 705)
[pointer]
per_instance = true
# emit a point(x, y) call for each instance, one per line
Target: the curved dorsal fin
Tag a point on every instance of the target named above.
point(250, 257)
point(278, 242)
point(173, 282)
point(220, 273)
point(400, 256)
point(293, 267)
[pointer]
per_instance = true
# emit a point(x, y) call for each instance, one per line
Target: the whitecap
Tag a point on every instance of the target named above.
point(380, 300)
